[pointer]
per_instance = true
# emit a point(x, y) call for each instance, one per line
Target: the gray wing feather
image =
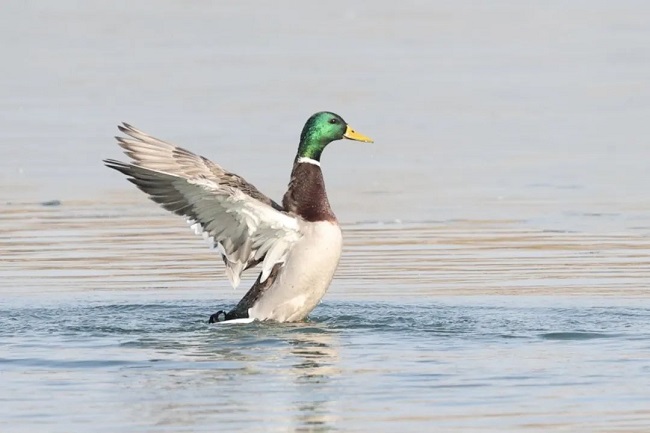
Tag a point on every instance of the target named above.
point(246, 226)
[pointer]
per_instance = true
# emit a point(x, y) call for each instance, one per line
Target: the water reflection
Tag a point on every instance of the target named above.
point(280, 375)
point(316, 351)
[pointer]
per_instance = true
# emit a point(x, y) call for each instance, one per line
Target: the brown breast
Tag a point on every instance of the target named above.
point(306, 195)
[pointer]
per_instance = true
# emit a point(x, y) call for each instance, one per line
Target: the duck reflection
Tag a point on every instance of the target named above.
point(281, 375)
point(316, 351)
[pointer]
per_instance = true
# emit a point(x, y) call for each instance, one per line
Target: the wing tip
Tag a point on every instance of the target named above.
point(125, 127)
point(115, 164)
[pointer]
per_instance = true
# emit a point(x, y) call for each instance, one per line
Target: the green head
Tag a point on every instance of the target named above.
point(320, 130)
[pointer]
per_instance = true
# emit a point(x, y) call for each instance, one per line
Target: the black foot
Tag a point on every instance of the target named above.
point(219, 316)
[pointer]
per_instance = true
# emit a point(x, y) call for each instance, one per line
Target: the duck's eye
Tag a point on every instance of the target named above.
point(333, 121)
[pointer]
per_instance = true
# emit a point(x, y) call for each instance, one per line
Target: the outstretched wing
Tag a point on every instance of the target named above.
point(247, 226)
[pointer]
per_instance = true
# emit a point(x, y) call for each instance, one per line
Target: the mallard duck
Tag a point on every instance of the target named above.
point(297, 243)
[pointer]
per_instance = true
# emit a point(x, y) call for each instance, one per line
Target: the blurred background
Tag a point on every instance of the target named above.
point(537, 111)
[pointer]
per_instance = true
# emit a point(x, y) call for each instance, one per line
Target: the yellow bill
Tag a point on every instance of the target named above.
point(351, 134)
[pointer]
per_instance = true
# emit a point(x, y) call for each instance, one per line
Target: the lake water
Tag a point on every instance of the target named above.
point(496, 268)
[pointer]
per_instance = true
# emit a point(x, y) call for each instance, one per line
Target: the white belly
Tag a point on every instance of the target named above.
point(305, 277)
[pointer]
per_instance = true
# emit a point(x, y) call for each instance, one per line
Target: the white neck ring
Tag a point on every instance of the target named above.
point(308, 160)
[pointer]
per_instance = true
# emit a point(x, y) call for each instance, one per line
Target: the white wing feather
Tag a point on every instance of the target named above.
point(245, 225)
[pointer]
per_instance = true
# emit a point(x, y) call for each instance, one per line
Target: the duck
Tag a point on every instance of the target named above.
point(297, 243)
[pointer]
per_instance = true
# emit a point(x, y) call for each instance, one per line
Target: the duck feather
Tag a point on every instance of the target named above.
point(245, 225)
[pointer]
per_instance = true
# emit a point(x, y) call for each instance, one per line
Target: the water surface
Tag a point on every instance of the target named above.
point(497, 235)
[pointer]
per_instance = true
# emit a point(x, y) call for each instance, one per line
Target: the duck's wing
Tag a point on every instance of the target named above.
point(247, 226)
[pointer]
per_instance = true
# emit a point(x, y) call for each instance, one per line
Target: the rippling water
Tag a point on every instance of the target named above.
point(460, 325)
point(496, 265)
point(520, 364)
